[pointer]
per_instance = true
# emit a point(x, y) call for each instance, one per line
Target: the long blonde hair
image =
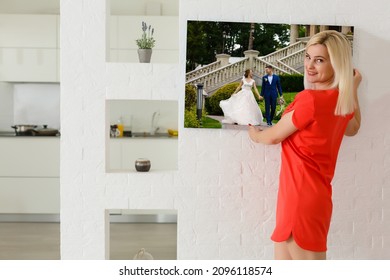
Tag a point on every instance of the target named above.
point(340, 54)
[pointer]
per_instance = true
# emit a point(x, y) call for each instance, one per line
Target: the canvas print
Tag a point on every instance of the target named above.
point(225, 60)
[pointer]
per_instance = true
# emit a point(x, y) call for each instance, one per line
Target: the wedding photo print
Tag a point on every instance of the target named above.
point(244, 73)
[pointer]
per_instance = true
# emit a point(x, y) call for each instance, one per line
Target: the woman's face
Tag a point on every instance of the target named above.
point(318, 69)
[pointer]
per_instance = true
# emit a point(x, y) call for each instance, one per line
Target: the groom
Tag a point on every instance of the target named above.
point(270, 89)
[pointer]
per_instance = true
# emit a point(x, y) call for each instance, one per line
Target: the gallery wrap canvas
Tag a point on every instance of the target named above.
point(219, 53)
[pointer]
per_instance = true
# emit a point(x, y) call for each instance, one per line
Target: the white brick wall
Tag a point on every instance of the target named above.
point(225, 188)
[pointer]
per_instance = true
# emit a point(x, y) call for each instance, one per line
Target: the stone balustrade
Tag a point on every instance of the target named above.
point(203, 70)
point(219, 77)
point(279, 54)
point(294, 61)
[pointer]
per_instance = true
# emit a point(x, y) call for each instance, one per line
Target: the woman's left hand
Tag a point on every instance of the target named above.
point(252, 131)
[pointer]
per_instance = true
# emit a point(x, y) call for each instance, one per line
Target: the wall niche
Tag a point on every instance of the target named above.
point(141, 129)
point(124, 27)
point(154, 230)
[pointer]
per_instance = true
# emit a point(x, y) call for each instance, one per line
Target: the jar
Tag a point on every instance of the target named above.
point(142, 165)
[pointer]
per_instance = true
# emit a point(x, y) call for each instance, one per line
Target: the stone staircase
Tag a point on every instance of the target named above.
point(288, 60)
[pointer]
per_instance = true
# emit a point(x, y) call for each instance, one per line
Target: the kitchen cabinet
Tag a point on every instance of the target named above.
point(30, 175)
point(29, 48)
point(29, 195)
point(29, 156)
point(123, 152)
point(29, 65)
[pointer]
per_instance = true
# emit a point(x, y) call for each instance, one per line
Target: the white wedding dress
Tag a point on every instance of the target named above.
point(241, 107)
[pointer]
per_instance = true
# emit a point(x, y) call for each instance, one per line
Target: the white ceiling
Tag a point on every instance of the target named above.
point(118, 7)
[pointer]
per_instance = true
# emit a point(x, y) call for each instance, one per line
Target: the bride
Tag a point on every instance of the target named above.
point(241, 107)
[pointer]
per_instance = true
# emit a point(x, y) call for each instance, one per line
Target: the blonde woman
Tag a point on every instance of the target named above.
point(311, 130)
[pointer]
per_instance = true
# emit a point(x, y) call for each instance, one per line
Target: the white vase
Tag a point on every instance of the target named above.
point(144, 55)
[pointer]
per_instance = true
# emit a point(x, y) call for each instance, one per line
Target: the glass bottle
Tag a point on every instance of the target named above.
point(120, 127)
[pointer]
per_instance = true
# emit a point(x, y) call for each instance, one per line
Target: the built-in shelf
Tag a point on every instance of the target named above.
point(142, 117)
point(124, 26)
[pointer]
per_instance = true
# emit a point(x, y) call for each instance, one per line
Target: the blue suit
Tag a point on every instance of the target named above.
point(270, 92)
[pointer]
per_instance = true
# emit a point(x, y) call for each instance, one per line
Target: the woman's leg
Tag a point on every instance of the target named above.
point(297, 253)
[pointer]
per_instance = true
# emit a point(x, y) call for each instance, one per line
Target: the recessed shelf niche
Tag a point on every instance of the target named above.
point(124, 26)
point(147, 124)
point(152, 229)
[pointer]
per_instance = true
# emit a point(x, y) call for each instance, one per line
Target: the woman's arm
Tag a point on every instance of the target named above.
point(257, 91)
point(354, 124)
point(275, 134)
point(238, 88)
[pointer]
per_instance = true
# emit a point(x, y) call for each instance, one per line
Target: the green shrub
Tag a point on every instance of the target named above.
point(291, 83)
point(212, 102)
point(190, 118)
point(190, 96)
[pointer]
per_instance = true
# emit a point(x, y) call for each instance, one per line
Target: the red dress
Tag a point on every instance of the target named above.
point(309, 155)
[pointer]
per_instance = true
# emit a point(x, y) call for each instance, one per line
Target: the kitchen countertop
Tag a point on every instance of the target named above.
point(7, 133)
point(143, 135)
point(13, 134)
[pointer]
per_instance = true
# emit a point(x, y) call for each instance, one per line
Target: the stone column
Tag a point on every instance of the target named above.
point(345, 29)
point(294, 34)
point(313, 30)
point(224, 58)
point(251, 54)
point(324, 27)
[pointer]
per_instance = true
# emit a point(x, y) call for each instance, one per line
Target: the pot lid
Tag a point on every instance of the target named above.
point(45, 128)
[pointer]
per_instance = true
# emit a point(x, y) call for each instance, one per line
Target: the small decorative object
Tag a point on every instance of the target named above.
point(114, 132)
point(143, 255)
point(142, 165)
point(282, 103)
point(145, 43)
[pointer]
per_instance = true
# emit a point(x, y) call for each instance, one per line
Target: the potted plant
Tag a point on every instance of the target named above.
point(145, 43)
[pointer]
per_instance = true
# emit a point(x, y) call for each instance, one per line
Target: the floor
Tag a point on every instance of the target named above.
point(41, 241)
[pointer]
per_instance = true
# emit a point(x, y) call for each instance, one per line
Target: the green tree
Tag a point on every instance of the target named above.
point(205, 39)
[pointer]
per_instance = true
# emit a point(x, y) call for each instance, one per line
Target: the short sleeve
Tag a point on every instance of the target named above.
point(303, 107)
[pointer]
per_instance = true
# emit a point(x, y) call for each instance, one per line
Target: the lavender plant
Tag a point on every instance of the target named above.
point(146, 41)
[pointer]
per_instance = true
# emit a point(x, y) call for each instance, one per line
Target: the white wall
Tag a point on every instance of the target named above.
point(225, 188)
point(37, 104)
point(6, 106)
point(29, 103)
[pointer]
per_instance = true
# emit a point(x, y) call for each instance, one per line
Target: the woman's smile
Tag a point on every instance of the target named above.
point(318, 68)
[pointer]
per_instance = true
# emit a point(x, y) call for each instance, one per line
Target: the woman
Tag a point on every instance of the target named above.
point(311, 131)
point(241, 107)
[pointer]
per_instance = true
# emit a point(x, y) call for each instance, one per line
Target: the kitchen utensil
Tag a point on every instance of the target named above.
point(45, 131)
point(23, 129)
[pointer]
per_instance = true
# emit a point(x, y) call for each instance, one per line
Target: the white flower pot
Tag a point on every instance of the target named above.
point(144, 55)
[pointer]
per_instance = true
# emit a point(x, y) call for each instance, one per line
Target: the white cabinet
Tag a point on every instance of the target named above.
point(29, 175)
point(29, 48)
point(29, 195)
point(29, 156)
point(123, 152)
point(29, 65)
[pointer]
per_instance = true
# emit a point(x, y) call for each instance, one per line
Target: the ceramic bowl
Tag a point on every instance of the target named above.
point(142, 165)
